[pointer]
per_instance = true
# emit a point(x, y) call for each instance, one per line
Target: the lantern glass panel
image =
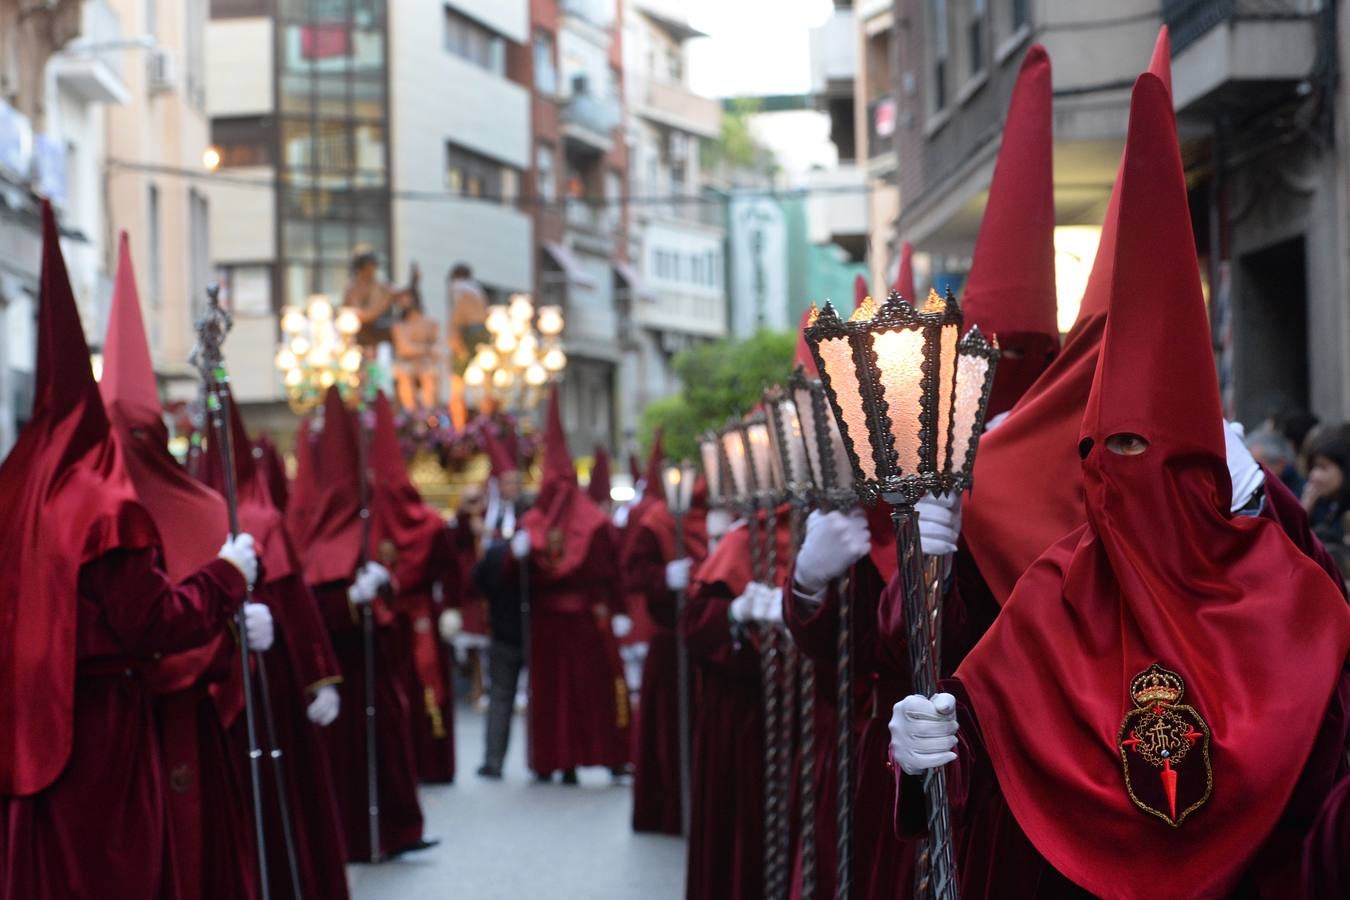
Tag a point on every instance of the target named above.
point(946, 390)
point(837, 356)
point(794, 453)
point(671, 476)
point(971, 372)
point(838, 461)
point(900, 357)
point(733, 445)
point(712, 469)
point(687, 478)
point(806, 418)
point(768, 472)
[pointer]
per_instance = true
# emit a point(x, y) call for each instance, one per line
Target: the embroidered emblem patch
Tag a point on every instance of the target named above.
point(1164, 748)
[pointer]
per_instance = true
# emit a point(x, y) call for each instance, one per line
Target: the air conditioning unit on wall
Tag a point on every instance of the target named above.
point(161, 73)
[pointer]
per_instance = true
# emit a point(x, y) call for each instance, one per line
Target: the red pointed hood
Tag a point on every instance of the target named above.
point(67, 500)
point(904, 279)
point(654, 483)
point(403, 526)
point(500, 460)
point(273, 470)
point(1162, 575)
point(191, 517)
point(598, 487)
point(328, 533)
point(563, 516)
point(802, 355)
point(1010, 292)
point(634, 470)
point(1030, 462)
point(859, 290)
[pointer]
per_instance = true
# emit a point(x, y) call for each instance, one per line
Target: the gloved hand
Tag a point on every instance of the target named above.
point(996, 421)
point(834, 541)
point(323, 709)
point(621, 515)
point(451, 623)
point(621, 625)
point(677, 574)
point(520, 544)
point(923, 732)
point(939, 523)
point(768, 603)
point(369, 580)
point(1243, 468)
point(743, 607)
point(258, 632)
point(718, 523)
point(240, 551)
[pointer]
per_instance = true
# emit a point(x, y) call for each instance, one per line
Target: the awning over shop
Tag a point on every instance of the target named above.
point(629, 276)
point(571, 267)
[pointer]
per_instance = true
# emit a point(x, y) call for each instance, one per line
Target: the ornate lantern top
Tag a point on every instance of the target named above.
point(891, 375)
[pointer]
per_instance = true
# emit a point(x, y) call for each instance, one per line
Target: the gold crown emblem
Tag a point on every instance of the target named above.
point(1156, 685)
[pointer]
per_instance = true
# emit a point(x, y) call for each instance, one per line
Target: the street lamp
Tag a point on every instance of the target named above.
point(318, 350)
point(522, 355)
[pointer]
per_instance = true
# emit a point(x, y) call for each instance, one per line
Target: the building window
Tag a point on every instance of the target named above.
point(243, 141)
point(1021, 15)
point(545, 177)
point(975, 37)
point(473, 43)
point(224, 9)
point(246, 289)
point(941, 52)
point(470, 174)
point(613, 198)
point(545, 70)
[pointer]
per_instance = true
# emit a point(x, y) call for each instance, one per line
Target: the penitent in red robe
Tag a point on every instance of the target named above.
point(101, 828)
point(656, 780)
point(726, 840)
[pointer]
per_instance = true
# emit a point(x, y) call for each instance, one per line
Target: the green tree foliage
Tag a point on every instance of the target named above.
point(736, 147)
point(721, 379)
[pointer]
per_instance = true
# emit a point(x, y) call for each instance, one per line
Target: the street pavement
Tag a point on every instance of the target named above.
point(514, 839)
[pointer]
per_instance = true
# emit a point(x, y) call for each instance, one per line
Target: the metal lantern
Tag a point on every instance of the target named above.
point(678, 481)
point(766, 474)
point(890, 375)
point(789, 444)
point(809, 400)
point(710, 451)
point(976, 361)
point(740, 486)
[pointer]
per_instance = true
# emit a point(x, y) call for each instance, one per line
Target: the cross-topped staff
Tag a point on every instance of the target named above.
point(207, 357)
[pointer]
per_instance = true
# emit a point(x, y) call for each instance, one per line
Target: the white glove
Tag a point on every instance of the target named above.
point(520, 544)
point(621, 515)
point(996, 421)
point(1243, 468)
point(677, 574)
point(718, 523)
point(240, 551)
point(939, 523)
point(369, 580)
point(923, 732)
point(834, 541)
point(621, 625)
point(258, 627)
point(323, 709)
point(743, 607)
point(452, 623)
point(768, 603)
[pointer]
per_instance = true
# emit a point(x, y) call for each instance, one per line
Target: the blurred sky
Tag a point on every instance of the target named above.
point(754, 47)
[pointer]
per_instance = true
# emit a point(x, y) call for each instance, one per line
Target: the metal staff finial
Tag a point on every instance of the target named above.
point(207, 354)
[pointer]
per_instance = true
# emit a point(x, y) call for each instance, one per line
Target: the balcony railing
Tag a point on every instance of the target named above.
point(1189, 20)
point(675, 104)
point(600, 115)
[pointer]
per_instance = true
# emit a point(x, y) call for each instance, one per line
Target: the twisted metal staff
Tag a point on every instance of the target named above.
point(368, 654)
point(778, 731)
point(806, 710)
point(935, 872)
point(207, 358)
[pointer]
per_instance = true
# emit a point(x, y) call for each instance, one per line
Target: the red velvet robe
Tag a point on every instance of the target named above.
point(101, 829)
point(400, 812)
point(300, 661)
point(579, 713)
point(656, 778)
point(996, 859)
point(883, 866)
point(425, 667)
